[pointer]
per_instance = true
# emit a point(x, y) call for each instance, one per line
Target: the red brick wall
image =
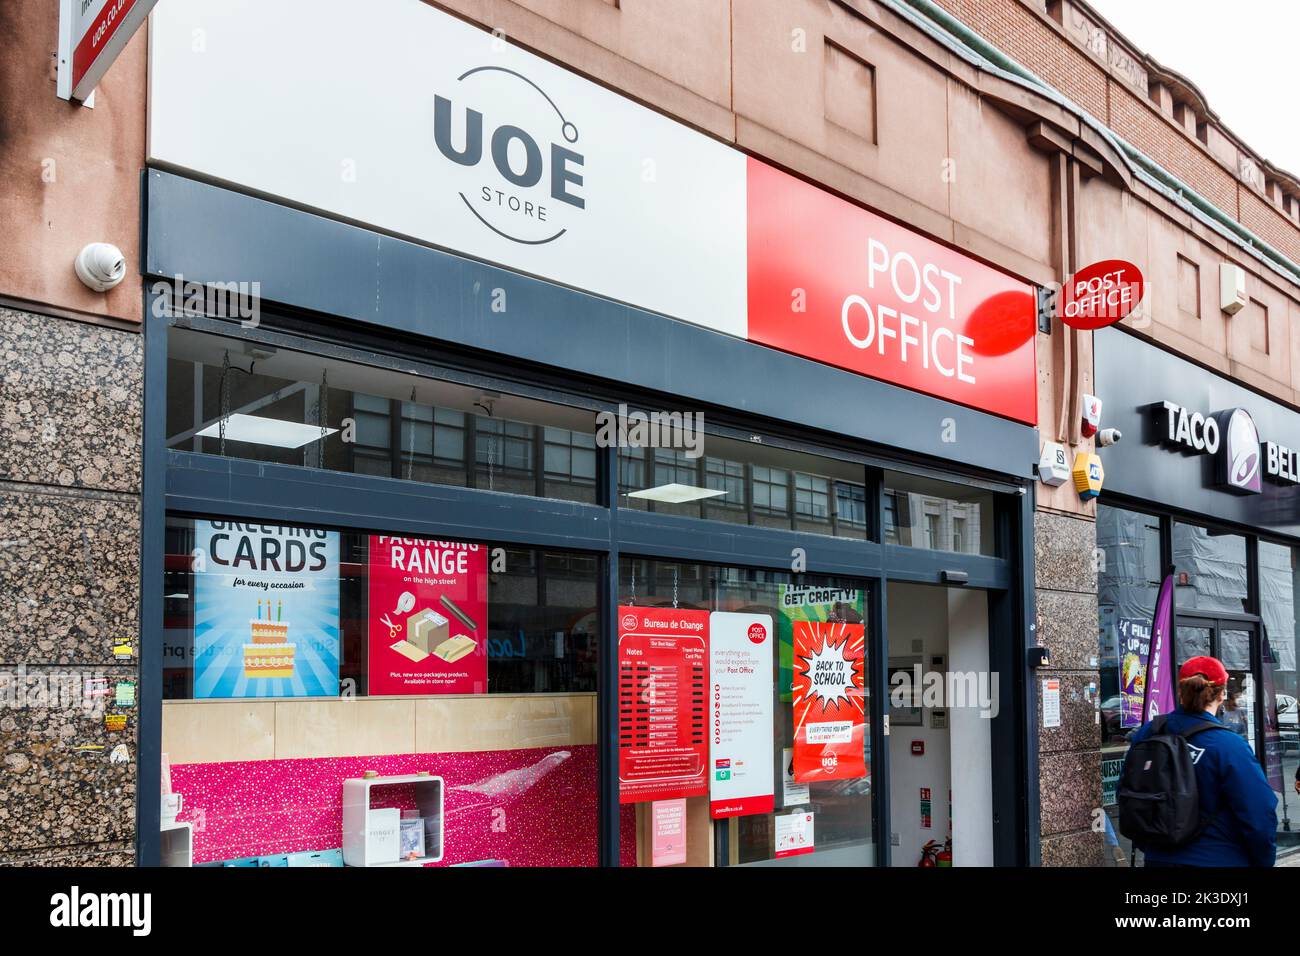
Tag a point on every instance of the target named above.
point(1268, 222)
point(1146, 129)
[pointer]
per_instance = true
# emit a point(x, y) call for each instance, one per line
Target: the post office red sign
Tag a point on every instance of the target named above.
point(1101, 294)
point(838, 284)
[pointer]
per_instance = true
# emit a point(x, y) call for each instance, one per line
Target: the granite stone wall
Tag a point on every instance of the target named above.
point(1069, 771)
point(71, 427)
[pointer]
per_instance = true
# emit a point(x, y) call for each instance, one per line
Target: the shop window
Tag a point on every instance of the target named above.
point(747, 483)
point(937, 515)
point(275, 405)
point(797, 612)
point(1281, 640)
point(298, 658)
point(1211, 570)
point(536, 624)
point(1128, 580)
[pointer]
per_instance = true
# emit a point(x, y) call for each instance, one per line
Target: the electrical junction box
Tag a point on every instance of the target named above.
point(1232, 287)
point(1053, 466)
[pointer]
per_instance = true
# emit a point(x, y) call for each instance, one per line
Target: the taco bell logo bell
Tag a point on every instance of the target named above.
point(1240, 461)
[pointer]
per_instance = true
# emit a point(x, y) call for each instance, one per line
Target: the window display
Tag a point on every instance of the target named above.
point(837, 808)
point(450, 683)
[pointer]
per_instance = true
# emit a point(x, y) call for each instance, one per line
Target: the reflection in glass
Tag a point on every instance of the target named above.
point(274, 405)
point(747, 483)
point(937, 515)
point(1211, 570)
point(1277, 585)
point(1128, 580)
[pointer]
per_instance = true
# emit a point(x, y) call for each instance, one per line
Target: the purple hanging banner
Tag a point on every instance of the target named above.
point(1160, 674)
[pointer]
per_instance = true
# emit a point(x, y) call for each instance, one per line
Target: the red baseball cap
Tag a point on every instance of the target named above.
point(1211, 668)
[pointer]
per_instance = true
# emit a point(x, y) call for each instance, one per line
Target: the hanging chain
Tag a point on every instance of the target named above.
point(674, 587)
point(632, 598)
point(322, 405)
point(225, 400)
point(410, 457)
point(492, 454)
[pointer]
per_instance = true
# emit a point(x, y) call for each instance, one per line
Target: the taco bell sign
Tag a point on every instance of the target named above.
point(1242, 460)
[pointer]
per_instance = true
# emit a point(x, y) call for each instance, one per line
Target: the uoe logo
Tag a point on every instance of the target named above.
point(519, 181)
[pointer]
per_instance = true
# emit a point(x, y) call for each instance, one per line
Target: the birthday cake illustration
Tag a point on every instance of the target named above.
point(270, 654)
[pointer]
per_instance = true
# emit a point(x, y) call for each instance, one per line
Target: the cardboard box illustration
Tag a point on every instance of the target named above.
point(456, 648)
point(426, 630)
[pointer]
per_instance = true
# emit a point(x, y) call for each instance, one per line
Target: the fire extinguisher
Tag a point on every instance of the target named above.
point(944, 856)
point(929, 855)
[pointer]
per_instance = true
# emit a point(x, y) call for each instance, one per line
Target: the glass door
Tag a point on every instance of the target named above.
point(1233, 643)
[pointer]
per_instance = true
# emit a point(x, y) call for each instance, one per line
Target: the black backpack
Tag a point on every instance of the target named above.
point(1159, 804)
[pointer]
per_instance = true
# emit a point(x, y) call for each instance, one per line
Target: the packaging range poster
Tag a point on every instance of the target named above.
point(742, 779)
point(829, 701)
point(663, 676)
point(1134, 648)
point(808, 604)
point(266, 610)
point(427, 616)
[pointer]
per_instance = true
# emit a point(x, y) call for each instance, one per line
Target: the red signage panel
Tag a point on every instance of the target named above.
point(838, 284)
point(428, 613)
point(663, 674)
point(830, 710)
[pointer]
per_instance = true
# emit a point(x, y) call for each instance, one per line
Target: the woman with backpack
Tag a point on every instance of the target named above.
point(1192, 792)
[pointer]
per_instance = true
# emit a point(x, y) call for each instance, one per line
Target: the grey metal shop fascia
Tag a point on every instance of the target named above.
point(308, 262)
point(1194, 441)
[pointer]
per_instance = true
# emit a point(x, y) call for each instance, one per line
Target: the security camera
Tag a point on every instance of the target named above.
point(101, 266)
point(1109, 436)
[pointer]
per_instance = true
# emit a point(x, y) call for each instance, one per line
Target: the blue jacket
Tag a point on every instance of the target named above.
point(1234, 793)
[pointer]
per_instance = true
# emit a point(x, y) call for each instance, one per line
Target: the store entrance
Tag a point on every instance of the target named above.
point(940, 739)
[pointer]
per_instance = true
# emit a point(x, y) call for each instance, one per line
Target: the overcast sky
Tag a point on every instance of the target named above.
point(1242, 54)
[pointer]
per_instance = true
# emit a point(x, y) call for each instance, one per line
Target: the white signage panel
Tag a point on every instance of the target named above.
point(742, 687)
point(407, 119)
